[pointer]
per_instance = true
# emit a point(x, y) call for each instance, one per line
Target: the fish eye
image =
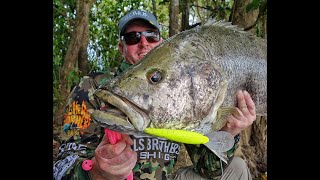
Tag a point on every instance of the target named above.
point(154, 76)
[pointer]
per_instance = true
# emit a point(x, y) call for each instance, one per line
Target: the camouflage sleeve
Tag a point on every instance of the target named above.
point(206, 163)
point(123, 66)
point(79, 136)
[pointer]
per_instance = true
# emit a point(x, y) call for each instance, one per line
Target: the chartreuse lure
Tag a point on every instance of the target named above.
point(219, 142)
point(182, 136)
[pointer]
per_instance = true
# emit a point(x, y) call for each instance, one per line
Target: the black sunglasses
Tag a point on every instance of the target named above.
point(132, 38)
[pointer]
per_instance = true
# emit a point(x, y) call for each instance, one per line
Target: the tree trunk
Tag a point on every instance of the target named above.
point(241, 17)
point(83, 63)
point(174, 17)
point(185, 7)
point(72, 55)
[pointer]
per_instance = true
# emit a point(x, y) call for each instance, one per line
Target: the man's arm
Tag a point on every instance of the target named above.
point(79, 135)
point(82, 139)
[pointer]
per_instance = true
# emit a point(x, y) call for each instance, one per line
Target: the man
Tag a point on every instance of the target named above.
point(139, 33)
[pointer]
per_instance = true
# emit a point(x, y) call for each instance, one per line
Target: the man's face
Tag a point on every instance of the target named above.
point(134, 53)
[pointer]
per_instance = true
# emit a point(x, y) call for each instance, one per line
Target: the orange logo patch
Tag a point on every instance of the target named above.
point(77, 117)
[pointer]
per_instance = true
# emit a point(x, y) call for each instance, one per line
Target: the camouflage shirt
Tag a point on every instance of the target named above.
point(80, 136)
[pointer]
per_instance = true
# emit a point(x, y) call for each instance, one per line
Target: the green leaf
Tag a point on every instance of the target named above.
point(253, 5)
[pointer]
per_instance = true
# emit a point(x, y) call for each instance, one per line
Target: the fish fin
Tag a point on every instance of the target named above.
point(214, 22)
point(222, 115)
point(211, 118)
point(219, 143)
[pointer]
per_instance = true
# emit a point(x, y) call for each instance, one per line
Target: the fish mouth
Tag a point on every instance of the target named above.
point(123, 116)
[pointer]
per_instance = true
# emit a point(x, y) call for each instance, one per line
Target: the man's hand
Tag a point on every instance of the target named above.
point(113, 161)
point(247, 114)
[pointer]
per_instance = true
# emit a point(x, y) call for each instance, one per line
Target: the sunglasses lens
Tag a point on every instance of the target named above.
point(132, 38)
point(153, 38)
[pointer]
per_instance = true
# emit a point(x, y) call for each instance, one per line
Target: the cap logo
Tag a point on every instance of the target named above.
point(136, 13)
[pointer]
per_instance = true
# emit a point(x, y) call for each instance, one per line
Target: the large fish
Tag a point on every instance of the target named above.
point(188, 82)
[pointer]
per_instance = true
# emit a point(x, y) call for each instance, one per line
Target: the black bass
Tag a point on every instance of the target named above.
point(188, 82)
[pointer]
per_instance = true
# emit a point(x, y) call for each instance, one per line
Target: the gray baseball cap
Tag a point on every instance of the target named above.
point(137, 14)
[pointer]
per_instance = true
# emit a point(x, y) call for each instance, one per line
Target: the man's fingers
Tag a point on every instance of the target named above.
point(104, 141)
point(249, 102)
point(108, 151)
point(242, 104)
point(127, 139)
point(241, 100)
